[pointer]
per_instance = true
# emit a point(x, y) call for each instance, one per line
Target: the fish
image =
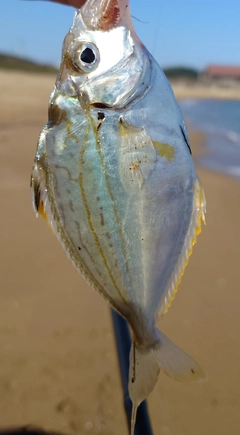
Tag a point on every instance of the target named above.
point(115, 179)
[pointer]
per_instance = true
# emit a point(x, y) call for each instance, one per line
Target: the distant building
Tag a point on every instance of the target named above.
point(223, 72)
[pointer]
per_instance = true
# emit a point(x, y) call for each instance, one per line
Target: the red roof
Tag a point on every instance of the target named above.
point(223, 71)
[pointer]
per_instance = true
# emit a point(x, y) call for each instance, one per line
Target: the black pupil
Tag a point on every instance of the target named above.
point(88, 56)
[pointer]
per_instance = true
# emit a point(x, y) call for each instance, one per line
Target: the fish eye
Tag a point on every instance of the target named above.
point(86, 58)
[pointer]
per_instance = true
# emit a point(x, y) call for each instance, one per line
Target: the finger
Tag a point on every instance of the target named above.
point(74, 3)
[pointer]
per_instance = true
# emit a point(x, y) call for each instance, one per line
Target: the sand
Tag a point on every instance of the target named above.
point(58, 366)
point(206, 89)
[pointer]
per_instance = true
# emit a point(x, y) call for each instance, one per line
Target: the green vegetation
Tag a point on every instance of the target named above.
point(10, 62)
point(181, 72)
point(18, 64)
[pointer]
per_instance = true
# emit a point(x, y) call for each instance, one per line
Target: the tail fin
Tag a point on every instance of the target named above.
point(145, 364)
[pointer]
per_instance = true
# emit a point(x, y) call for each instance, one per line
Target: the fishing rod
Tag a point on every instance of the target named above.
point(123, 344)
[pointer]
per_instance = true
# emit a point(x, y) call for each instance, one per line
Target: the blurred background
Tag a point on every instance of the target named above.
point(58, 365)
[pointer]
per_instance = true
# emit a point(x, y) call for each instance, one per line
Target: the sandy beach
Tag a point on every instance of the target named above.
point(206, 89)
point(58, 366)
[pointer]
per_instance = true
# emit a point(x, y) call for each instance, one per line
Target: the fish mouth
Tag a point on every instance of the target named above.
point(103, 14)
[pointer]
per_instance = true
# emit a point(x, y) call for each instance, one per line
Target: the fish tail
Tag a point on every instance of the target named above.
point(146, 363)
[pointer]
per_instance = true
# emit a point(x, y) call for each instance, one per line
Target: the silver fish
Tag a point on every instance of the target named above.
point(114, 177)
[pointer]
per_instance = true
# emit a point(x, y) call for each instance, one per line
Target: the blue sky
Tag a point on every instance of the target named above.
point(177, 32)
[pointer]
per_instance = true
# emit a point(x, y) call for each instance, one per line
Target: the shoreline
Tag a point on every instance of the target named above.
point(199, 148)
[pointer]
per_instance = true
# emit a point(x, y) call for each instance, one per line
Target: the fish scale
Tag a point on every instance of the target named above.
point(115, 178)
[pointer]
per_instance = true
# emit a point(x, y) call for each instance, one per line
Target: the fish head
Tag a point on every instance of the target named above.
point(103, 64)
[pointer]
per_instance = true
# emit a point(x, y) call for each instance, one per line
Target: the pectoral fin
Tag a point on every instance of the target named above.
point(39, 194)
point(137, 156)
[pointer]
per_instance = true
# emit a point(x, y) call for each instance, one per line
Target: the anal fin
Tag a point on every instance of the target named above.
point(195, 228)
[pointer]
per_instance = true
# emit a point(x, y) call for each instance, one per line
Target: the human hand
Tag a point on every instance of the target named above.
point(74, 3)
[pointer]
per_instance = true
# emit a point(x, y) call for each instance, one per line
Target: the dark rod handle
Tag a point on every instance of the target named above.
point(123, 344)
